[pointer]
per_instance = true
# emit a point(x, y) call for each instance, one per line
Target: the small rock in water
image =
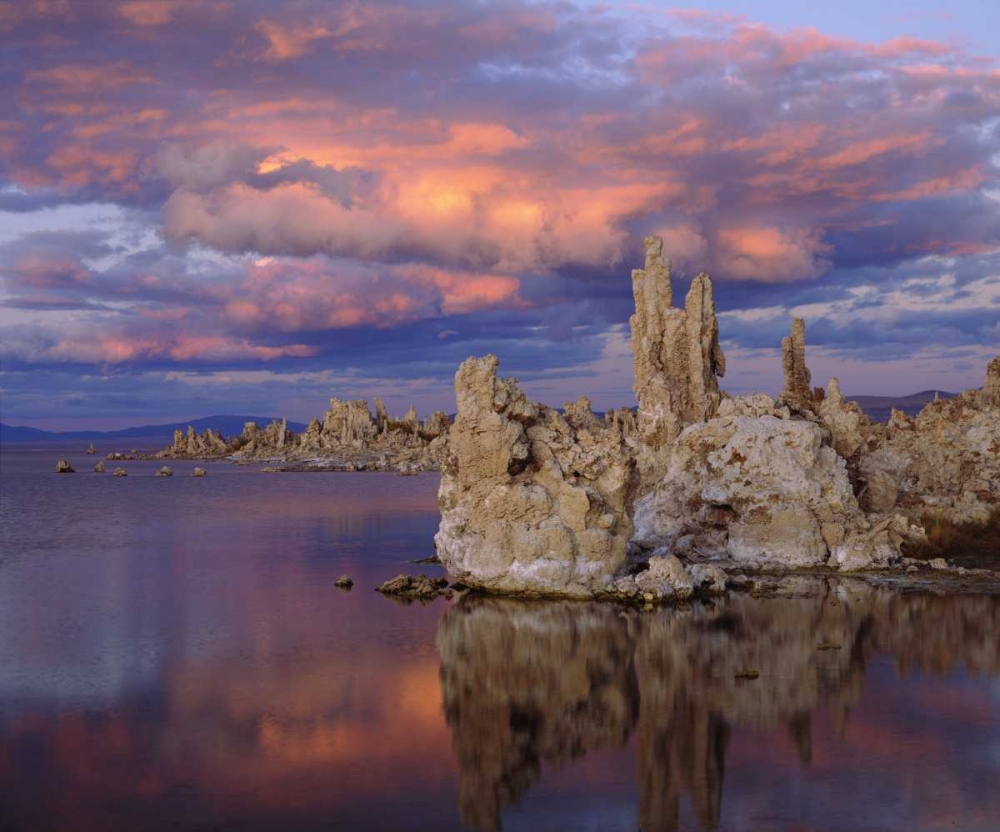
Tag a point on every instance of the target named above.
point(410, 586)
point(199, 472)
point(344, 582)
point(747, 674)
point(63, 467)
point(99, 468)
point(119, 472)
point(90, 449)
point(165, 471)
point(938, 563)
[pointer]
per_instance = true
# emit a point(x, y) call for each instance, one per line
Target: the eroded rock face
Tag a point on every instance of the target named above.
point(676, 352)
point(752, 488)
point(191, 445)
point(531, 501)
point(946, 460)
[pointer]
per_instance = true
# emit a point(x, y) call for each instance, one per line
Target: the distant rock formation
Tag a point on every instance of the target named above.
point(531, 500)
point(90, 449)
point(347, 432)
point(165, 472)
point(199, 472)
point(99, 468)
point(535, 502)
point(119, 472)
point(63, 467)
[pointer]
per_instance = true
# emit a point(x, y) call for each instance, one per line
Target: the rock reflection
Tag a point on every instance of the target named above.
point(532, 684)
point(524, 684)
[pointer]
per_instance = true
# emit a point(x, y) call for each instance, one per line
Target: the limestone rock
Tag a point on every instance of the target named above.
point(666, 577)
point(63, 467)
point(344, 582)
point(199, 472)
point(846, 420)
point(531, 501)
point(676, 353)
point(119, 472)
point(796, 391)
point(755, 489)
point(165, 472)
point(946, 460)
point(99, 468)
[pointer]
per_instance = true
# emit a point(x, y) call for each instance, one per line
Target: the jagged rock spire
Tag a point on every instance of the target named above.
point(796, 392)
point(676, 351)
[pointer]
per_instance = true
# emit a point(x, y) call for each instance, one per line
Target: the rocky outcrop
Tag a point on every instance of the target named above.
point(531, 500)
point(945, 461)
point(796, 392)
point(418, 587)
point(535, 502)
point(63, 467)
point(119, 472)
point(165, 471)
point(191, 445)
point(199, 472)
point(99, 468)
point(763, 489)
point(676, 354)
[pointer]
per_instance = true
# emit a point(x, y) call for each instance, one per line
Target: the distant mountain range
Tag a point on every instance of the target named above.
point(229, 425)
point(879, 407)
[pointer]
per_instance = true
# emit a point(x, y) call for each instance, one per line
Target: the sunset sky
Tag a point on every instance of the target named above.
point(248, 207)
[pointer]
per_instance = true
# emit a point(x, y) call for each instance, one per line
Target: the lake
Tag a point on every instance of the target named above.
point(174, 655)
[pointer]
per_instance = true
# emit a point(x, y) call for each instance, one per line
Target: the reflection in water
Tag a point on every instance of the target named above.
point(527, 684)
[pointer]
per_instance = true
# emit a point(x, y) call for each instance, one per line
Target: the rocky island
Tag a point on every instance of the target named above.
point(661, 504)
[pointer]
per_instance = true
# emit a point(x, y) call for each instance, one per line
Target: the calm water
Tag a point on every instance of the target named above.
point(174, 655)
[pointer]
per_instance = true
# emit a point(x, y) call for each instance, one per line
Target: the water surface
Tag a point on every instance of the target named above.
point(174, 655)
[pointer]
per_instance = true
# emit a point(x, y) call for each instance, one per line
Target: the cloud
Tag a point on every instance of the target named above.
point(306, 181)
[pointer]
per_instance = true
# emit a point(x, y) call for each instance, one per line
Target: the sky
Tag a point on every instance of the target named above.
point(250, 207)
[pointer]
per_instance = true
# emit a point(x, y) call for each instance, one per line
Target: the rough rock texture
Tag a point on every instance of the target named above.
point(531, 501)
point(63, 467)
point(846, 420)
point(796, 391)
point(676, 352)
point(991, 388)
point(756, 489)
point(192, 446)
point(946, 460)
point(414, 586)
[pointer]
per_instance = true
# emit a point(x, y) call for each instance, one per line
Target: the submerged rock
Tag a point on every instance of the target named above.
point(345, 582)
point(531, 501)
point(119, 472)
point(63, 467)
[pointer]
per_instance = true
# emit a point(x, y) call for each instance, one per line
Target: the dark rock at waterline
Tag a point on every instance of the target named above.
point(415, 586)
point(344, 582)
point(63, 467)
